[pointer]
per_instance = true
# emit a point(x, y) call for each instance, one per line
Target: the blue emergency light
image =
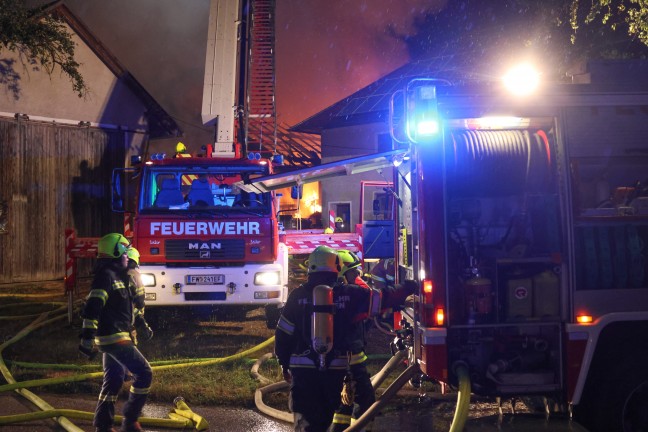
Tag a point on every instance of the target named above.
point(421, 111)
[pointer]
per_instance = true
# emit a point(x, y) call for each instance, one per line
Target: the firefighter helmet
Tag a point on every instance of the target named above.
point(112, 245)
point(323, 259)
point(349, 261)
point(133, 254)
point(181, 148)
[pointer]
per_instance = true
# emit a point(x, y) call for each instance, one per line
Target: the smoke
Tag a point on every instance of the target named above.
point(327, 50)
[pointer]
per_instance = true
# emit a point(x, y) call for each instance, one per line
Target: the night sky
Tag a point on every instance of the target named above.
point(326, 49)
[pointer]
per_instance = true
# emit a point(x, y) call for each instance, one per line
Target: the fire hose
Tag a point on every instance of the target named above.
point(180, 417)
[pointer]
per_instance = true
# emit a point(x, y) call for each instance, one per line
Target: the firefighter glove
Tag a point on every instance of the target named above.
point(145, 333)
point(348, 391)
point(286, 374)
point(87, 348)
point(411, 286)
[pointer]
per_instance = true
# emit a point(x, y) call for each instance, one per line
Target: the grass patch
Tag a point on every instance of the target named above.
point(180, 336)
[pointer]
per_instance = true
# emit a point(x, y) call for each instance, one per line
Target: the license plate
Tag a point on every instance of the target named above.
point(217, 279)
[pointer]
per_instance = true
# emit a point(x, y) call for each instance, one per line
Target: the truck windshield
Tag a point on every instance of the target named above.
point(167, 189)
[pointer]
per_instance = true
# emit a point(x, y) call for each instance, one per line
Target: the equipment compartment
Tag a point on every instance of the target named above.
point(509, 359)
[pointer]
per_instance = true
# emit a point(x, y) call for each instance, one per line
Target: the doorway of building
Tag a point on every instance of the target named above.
point(342, 212)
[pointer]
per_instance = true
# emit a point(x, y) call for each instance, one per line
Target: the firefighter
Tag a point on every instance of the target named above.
point(107, 321)
point(140, 328)
point(357, 393)
point(383, 274)
point(315, 376)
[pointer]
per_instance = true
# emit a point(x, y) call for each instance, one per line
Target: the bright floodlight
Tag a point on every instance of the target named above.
point(522, 80)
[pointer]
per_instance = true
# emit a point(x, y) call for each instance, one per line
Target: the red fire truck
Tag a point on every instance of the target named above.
point(525, 220)
point(208, 240)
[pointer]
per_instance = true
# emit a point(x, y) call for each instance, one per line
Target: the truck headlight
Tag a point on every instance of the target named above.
point(267, 278)
point(148, 279)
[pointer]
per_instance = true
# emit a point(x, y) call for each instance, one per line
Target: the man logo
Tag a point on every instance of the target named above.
point(205, 254)
point(204, 246)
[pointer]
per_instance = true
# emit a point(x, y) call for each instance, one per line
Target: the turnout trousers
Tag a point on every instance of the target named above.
point(117, 359)
point(314, 397)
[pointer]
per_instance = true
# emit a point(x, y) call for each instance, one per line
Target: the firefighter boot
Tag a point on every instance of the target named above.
point(130, 426)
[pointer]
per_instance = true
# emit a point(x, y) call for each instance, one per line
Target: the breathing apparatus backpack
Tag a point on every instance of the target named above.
point(322, 322)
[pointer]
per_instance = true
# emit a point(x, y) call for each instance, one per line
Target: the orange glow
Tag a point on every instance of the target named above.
point(427, 286)
point(584, 319)
point(440, 316)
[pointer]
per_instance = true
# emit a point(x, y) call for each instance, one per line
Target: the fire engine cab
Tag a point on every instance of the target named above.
point(202, 240)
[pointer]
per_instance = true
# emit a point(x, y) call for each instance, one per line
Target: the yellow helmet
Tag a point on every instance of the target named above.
point(112, 245)
point(180, 147)
point(133, 254)
point(323, 259)
point(328, 230)
point(349, 261)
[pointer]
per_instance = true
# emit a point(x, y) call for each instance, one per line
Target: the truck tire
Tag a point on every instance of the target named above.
point(615, 397)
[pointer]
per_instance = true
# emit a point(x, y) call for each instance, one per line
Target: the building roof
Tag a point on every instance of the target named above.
point(160, 123)
point(371, 103)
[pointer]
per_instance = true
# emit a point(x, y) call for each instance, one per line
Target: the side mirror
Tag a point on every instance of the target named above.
point(116, 193)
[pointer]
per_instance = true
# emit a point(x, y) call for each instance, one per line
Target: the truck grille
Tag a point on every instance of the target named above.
point(205, 250)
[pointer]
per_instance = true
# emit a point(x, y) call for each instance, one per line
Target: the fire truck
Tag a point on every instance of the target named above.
point(206, 240)
point(525, 221)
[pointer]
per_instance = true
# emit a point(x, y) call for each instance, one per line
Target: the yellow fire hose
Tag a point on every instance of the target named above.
point(180, 417)
point(463, 399)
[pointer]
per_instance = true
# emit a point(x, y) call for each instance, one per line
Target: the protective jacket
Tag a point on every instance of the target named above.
point(108, 311)
point(352, 305)
point(137, 294)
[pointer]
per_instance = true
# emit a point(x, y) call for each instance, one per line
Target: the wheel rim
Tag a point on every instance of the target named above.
point(635, 409)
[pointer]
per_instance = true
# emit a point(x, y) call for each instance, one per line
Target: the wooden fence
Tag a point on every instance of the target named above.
point(52, 177)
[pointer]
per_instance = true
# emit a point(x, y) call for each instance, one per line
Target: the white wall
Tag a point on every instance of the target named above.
point(39, 94)
point(345, 143)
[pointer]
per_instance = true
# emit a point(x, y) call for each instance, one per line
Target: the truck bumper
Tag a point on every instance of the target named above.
point(185, 286)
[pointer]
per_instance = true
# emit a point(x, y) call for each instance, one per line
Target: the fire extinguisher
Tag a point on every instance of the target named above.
point(322, 322)
point(479, 297)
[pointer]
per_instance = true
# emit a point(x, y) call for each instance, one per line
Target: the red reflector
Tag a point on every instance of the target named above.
point(440, 316)
point(427, 286)
point(584, 319)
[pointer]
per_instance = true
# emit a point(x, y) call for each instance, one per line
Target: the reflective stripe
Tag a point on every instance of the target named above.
point(100, 294)
point(286, 326)
point(117, 284)
point(375, 302)
point(341, 419)
point(377, 278)
point(136, 390)
point(357, 358)
point(298, 361)
point(107, 397)
point(301, 361)
point(138, 312)
point(111, 339)
point(90, 324)
point(140, 291)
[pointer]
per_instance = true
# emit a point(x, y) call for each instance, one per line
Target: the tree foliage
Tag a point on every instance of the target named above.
point(629, 15)
point(40, 39)
point(484, 35)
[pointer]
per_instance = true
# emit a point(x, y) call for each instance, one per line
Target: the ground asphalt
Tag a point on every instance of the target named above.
point(432, 415)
